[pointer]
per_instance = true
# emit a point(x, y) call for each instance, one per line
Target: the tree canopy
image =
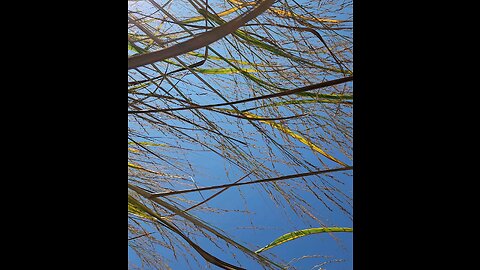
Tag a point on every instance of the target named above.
point(262, 87)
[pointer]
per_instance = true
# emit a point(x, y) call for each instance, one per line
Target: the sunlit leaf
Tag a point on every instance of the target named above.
point(301, 233)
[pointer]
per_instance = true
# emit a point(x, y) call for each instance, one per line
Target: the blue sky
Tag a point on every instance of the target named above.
point(271, 220)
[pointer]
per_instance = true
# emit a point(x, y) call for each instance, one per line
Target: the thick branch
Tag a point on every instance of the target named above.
point(199, 41)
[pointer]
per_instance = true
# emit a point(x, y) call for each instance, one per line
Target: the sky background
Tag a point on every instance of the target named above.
point(271, 221)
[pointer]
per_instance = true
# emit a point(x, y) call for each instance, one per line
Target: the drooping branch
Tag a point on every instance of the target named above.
point(285, 177)
point(199, 41)
point(279, 94)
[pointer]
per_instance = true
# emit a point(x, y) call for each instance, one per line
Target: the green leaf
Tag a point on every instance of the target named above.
point(289, 132)
point(211, 57)
point(297, 234)
point(139, 209)
point(148, 144)
point(262, 45)
point(223, 70)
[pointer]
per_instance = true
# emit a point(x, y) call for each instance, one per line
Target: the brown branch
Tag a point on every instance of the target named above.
point(279, 94)
point(199, 41)
point(252, 182)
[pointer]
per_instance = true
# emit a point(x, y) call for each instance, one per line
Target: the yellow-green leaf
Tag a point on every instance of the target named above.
point(287, 131)
point(223, 70)
point(137, 208)
point(297, 234)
